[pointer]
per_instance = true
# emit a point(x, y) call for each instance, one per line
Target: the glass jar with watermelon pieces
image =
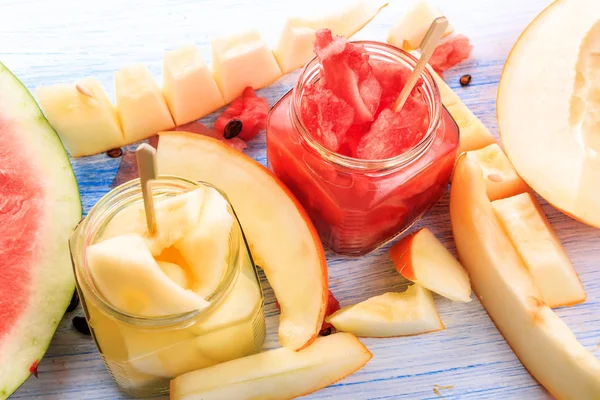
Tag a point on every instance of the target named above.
point(363, 172)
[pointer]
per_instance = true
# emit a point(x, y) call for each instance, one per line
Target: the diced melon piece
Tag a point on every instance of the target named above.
point(188, 85)
point(141, 104)
point(501, 179)
point(391, 314)
point(83, 116)
point(409, 31)
point(540, 249)
point(295, 46)
point(242, 60)
point(129, 278)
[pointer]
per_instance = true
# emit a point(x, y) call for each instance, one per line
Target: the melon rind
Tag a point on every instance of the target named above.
point(52, 278)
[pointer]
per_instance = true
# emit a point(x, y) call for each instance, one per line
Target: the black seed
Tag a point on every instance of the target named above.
point(81, 325)
point(74, 302)
point(465, 80)
point(326, 332)
point(114, 153)
point(232, 129)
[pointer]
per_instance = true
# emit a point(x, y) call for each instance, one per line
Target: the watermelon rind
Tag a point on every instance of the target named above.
point(52, 281)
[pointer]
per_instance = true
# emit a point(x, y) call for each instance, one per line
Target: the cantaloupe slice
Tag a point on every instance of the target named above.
point(409, 31)
point(83, 116)
point(543, 343)
point(188, 85)
point(276, 374)
point(240, 60)
point(141, 104)
point(295, 45)
point(39, 208)
point(549, 108)
point(539, 247)
point(501, 179)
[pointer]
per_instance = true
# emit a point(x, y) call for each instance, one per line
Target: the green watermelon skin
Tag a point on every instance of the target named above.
point(39, 207)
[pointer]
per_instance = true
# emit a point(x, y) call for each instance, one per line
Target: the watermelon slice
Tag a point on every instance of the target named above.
point(250, 109)
point(39, 207)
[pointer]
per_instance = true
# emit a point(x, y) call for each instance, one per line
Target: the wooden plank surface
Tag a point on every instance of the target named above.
point(49, 42)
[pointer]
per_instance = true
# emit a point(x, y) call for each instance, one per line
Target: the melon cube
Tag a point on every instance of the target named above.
point(83, 116)
point(501, 178)
point(540, 249)
point(242, 60)
point(188, 85)
point(409, 31)
point(141, 104)
point(295, 46)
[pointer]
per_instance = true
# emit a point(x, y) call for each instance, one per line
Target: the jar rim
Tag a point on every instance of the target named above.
point(310, 73)
point(105, 209)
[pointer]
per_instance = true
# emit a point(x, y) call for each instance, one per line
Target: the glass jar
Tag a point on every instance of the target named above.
point(143, 354)
point(358, 205)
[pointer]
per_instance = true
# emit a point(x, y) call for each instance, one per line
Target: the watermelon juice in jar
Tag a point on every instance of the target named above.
point(156, 313)
point(363, 173)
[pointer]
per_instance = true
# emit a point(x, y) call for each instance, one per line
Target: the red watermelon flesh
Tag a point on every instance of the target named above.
point(392, 77)
point(451, 52)
point(394, 133)
point(248, 108)
point(39, 207)
point(325, 116)
point(346, 71)
point(201, 129)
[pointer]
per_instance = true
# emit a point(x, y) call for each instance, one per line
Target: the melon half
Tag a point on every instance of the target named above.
point(39, 206)
point(549, 107)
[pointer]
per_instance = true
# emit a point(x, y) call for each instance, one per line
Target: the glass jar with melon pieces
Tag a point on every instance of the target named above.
point(186, 297)
point(363, 183)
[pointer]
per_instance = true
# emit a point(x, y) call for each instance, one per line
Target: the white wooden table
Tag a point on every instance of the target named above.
point(51, 41)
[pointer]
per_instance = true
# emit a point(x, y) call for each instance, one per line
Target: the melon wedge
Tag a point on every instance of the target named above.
point(549, 108)
point(409, 31)
point(501, 179)
point(538, 245)
point(391, 314)
point(281, 236)
point(276, 374)
point(39, 207)
point(543, 343)
point(422, 258)
point(295, 46)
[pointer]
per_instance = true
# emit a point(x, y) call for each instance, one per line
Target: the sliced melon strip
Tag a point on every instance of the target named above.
point(35, 268)
point(501, 179)
point(538, 245)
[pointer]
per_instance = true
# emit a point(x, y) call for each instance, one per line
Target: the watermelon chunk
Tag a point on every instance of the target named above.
point(394, 133)
point(39, 207)
point(250, 109)
point(325, 116)
point(451, 52)
point(392, 77)
point(347, 73)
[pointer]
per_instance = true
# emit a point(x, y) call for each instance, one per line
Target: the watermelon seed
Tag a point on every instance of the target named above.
point(465, 80)
point(114, 153)
point(326, 332)
point(83, 90)
point(74, 302)
point(81, 325)
point(232, 129)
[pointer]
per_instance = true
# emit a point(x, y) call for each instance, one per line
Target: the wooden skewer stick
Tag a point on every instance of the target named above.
point(146, 162)
point(430, 41)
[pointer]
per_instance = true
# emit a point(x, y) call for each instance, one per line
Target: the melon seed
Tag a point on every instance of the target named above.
point(465, 80)
point(81, 325)
point(74, 302)
point(232, 129)
point(495, 178)
point(114, 153)
point(83, 90)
